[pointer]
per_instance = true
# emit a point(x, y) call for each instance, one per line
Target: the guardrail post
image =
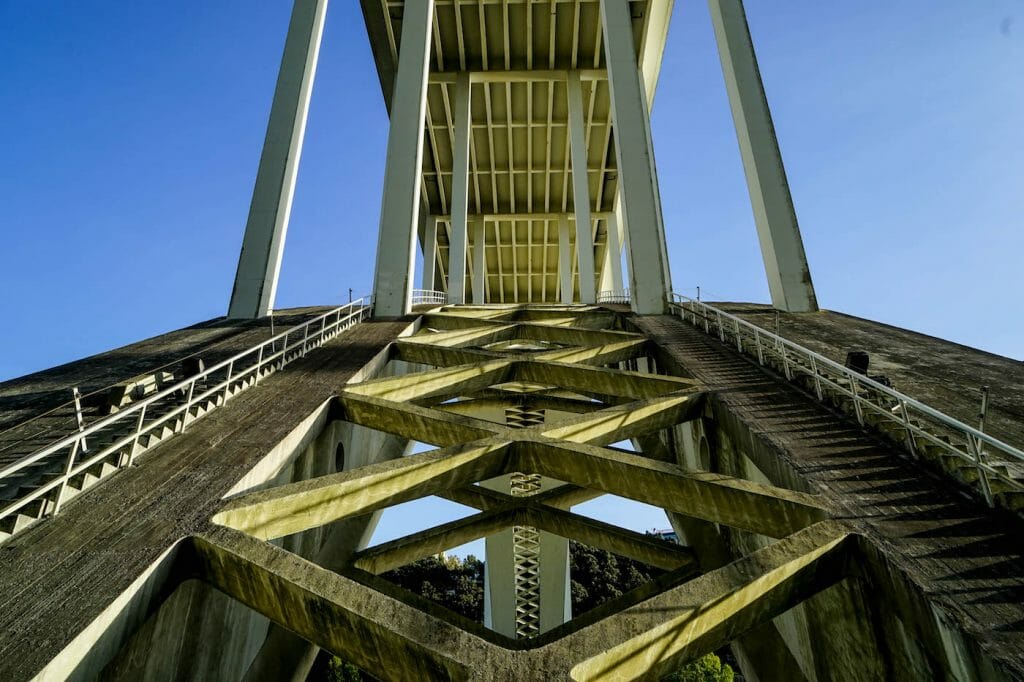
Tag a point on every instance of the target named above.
point(975, 448)
point(817, 378)
point(856, 398)
point(227, 382)
point(911, 441)
point(739, 341)
point(68, 467)
point(785, 362)
point(138, 432)
point(78, 416)
point(757, 342)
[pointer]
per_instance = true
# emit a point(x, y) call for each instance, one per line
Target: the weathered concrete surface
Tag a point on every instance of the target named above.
point(57, 578)
point(944, 574)
point(946, 375)
point(213, 340)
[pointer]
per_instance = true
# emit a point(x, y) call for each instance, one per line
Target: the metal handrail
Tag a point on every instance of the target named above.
point(428, 296)
point(236, 372)
point(867, 395)
point(613, 296)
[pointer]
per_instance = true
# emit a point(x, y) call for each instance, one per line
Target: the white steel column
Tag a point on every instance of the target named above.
point(581, 189)
point(460, 192)
point(259, 263)
point(782, 248)
point(429, 253)
point(648, 269)
point(613, 255)
point(479, 262)
point(399, 215)
point(564, 260)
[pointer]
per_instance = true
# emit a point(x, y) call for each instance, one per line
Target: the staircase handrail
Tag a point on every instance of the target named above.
point(766, 342)
point(344, 317)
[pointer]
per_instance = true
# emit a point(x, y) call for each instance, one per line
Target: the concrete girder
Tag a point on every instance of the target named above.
point(463, 338)
point(605, 354)
point(650, 636)
point(448, 381)
point(440, 356)
point(391, 555)
point(631, 420)
point(417, 423)
point(299, 506)
point(762, 509)
point(599, 382)
point(523, 512)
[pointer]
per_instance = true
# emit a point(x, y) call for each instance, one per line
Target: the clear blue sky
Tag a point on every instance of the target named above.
point(130, 134)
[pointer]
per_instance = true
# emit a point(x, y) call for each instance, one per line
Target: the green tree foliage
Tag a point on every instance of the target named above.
point(708, 668)
point(455, 584)
point(598, 576)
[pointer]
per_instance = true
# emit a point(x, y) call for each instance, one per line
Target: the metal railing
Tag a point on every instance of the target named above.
point(132, 430)
point(922, 429)
point(610, 296)
point(428, 296)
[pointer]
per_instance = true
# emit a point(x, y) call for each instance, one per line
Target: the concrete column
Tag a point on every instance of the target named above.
point(259, 263)
point(564, 260)
point(581, 189)
point(613, 255)
point(460, 191)
point(648, 269)
point(399, 215)
point(479, 261)
point(785, 262)
point(429, 253)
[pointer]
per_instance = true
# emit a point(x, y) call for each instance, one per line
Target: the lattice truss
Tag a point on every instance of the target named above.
point(556, 372)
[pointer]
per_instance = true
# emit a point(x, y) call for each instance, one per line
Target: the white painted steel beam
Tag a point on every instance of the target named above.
point(564, 260)
point(782, 247)
point(613, 255)
point(460, 192)
point(479, 262)
point(259, 263)
point(650, 282)
point(581, 190)
point(399, 215)
point(430, 254)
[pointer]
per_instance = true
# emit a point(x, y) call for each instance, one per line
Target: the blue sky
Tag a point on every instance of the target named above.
point(130, 134)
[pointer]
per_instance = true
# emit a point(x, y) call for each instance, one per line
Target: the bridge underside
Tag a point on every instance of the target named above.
point(238, 547)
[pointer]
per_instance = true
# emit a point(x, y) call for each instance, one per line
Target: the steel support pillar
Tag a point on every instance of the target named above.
point(259, 263)
point(564, 260)
point(460, 192)
point(399, 215)
point(581, 189)
point(650, 282)
point(430, 254)
point(785, 262)
point(479, 262)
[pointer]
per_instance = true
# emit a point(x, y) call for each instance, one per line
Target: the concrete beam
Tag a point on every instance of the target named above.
point(259, 263)
point(782, 247)
point(300, 506)
point(737, 503)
